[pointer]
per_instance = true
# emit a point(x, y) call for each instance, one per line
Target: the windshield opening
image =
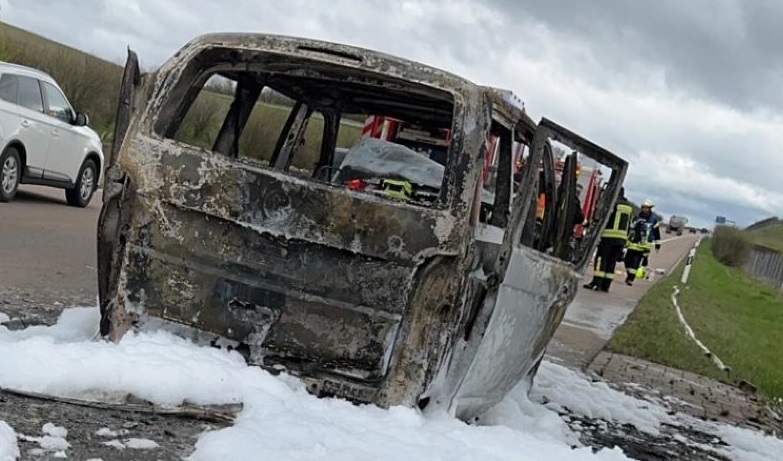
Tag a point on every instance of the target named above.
point(320, 121)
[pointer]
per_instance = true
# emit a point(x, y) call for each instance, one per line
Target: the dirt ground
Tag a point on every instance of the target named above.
point(689, 393)
point(101, 433)
point(52, 250)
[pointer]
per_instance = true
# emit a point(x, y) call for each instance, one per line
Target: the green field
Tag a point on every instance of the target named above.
point(739, 319)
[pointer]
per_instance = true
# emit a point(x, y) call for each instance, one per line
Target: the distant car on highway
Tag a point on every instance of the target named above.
point(43, 139)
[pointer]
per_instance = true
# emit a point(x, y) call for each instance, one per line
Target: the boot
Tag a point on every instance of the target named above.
point(605, 284)
point(630, 278)
point(594, 284)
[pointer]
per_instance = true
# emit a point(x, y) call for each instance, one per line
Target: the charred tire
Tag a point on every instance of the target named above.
point(10, 174)
point(82, 193)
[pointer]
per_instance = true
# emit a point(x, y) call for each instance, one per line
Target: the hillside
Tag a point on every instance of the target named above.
point(767, 233)
point(91, 83)
point(767, 222)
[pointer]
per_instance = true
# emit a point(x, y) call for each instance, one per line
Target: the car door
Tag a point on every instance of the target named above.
point(110, 241)
point(532, 284)
point(22, 119)
point(561, 204)
point(67, 145)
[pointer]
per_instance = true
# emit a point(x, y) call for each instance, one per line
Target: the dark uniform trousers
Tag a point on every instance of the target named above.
point(609, 251)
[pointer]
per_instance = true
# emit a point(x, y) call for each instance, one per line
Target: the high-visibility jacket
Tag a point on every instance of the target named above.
point(397, 189)
point(644, 233)
point(619, 222)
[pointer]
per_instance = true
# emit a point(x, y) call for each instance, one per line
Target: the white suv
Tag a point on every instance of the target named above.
point(43, 140)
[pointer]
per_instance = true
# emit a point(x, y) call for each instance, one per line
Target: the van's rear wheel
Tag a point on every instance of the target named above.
point(81, 195)
point(10, 174)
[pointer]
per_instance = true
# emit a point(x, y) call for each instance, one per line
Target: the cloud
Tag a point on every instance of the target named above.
point(727, 50)
point(688, 92)
point(687, 188)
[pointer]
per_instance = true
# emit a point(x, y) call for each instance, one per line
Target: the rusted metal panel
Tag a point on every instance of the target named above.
point(366, 298)
point(281, 205)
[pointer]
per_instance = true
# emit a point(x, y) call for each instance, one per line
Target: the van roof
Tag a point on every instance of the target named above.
point(324, 51)
point(511, 106)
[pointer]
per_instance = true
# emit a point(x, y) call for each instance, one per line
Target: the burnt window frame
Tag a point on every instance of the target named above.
point(191, 77)
point(503, 188)
point(512, 128)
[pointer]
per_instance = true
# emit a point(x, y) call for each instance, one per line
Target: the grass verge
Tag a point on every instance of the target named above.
point(737, 318)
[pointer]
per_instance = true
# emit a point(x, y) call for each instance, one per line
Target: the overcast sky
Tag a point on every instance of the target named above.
point(688, 91)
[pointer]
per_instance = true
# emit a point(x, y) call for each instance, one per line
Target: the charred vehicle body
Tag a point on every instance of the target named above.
point(242, 207)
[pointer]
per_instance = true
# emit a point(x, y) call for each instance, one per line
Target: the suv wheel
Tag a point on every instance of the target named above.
point(10, 173)
point(80, 195)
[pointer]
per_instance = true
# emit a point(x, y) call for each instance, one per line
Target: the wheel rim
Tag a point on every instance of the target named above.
point(9, 174)
point(86, 184)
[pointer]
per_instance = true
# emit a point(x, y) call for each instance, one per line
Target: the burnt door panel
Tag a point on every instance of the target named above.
point(131, 80)
point(617, 168)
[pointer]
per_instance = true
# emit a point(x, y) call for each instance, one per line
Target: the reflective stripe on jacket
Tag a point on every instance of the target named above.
point(619, 222)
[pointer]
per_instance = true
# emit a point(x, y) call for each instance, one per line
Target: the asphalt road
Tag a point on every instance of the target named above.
point(48, 248)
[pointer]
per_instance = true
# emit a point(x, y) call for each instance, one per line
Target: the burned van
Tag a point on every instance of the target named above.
point(249, 203)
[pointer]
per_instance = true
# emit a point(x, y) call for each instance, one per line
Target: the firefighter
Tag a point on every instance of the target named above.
point(613, 240)
point(644, 234)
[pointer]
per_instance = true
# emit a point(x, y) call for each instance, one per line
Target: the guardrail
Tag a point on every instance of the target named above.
point(765, 265)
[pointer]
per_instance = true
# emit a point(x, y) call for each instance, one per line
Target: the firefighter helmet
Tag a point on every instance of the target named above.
point(647, 203)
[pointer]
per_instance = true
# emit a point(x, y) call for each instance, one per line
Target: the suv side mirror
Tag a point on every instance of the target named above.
point(81, 119)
